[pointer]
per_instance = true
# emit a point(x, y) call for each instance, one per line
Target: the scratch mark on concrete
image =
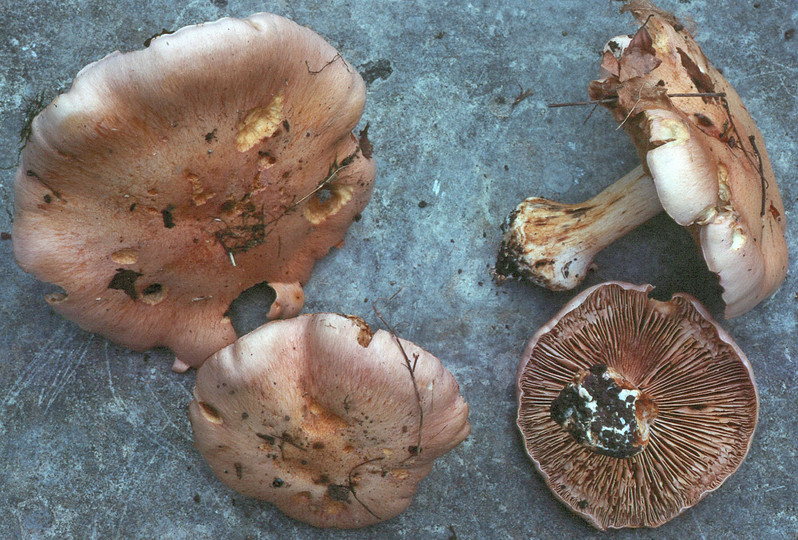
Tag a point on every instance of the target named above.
point(40, 363)
point(784, 73)
point(169, 421)
point(698, 526)
point(774, 488)
point(137, 417)
point(64, 374)
point(186, 391)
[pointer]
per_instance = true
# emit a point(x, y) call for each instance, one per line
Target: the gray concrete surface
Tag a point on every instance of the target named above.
point(95, 440)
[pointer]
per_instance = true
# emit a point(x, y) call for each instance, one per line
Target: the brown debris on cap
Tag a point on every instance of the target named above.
point(322, 418)
point(672, 397)
point(704, 163)
point(169, 180)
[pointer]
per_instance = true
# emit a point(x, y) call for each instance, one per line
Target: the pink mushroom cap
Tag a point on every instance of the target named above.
point(333, 424)
point(168, 180)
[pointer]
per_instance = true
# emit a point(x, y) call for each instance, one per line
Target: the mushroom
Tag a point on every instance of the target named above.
point(704, 162)
point(169, 180)
point(333, 424)
point(633, 409)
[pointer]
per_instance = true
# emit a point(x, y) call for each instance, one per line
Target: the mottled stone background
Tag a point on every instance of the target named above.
point(94, 438)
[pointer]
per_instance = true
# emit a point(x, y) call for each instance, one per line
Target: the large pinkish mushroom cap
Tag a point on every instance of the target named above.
point(334, 425)
point(169, 180)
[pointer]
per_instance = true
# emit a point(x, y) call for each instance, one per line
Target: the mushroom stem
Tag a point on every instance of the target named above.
point(553, 244)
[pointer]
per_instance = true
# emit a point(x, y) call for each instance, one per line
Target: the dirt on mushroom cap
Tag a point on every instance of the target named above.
point(192, 165)
point(320, 416)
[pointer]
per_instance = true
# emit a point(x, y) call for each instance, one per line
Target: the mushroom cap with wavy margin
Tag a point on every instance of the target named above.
point(169, 180)
point(700, 382)
point(320, 416)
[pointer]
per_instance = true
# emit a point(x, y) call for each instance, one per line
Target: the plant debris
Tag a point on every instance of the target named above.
point(415, 449)
point(163, 32)
point(249, 232)
point(168, 218)
point(125, 281)
point(33, 107)
point(522, 95)
point(334, 58)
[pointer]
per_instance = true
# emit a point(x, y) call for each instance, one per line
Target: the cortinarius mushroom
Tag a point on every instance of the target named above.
point(704, 162)
point(332, 423)
point(169, 180)
point(634, 409)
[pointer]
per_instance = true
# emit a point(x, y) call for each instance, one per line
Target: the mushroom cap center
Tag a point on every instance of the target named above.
point(605, 412)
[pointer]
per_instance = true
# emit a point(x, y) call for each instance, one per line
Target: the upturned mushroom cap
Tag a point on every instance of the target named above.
point(705, 154)
point(169, 180)
point(699, 405)
point(328, 421)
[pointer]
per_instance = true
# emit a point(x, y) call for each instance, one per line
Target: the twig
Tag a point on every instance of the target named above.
point(334, 58)
point(752, 140)
point(283, 440)
point(590, 113)
point(324, 183)
point(639, 97)
point(411, 368)
point(699, 94)
point(522, 95)
point(579, 103)
point(764, 181)
point(351, 486)
point(615, 98)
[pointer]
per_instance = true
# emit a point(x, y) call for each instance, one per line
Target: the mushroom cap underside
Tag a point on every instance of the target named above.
point(700, 382)
point(319, 416)
point(170, 179)
point(703, 150)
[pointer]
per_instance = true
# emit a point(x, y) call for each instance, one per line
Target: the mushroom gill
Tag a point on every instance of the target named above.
point(699, 381)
